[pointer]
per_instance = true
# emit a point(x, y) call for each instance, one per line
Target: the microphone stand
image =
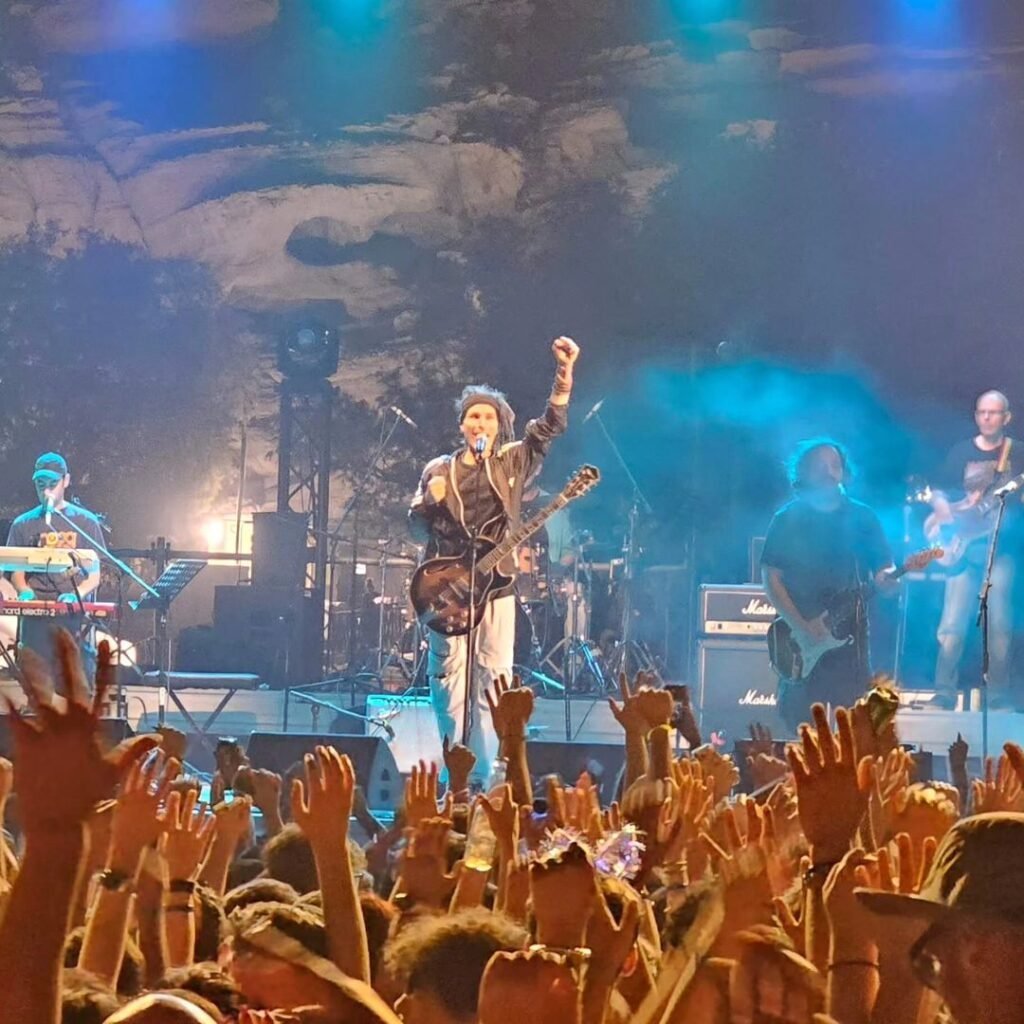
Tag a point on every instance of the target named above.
point(469, 708)
point(626, 643)
point(983, 618)
point(335, 536)
point(123, 570)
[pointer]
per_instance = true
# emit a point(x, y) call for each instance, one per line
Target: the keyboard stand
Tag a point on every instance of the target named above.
point(231, 683)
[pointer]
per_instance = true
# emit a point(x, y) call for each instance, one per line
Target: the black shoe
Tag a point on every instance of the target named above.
point(942, 702)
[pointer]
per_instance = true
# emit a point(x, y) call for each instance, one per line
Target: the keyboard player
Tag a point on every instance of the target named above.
point(56, 523)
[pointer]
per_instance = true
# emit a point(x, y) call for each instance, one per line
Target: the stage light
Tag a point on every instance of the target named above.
point(213, 534)
point(309, 351)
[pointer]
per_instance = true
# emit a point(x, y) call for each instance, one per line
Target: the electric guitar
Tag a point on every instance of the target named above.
point(973, 518)
point(794, 660)
point(440, 587)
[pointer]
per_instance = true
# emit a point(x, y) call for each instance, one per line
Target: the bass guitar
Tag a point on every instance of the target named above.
point(794, 660)
point(440, 587)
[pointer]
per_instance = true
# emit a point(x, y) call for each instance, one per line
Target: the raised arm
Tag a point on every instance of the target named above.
point(321, 808)
point(60, 774)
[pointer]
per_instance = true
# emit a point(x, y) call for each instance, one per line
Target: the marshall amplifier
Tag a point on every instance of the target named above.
point(734, 610)
point(736, 688)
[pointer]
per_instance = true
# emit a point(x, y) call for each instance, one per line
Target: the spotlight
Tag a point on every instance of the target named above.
point(310, 351)
point(213, 534)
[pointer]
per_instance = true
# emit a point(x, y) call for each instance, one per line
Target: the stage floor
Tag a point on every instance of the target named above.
point(411, 719)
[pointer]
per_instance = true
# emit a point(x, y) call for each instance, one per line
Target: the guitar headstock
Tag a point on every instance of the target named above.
point(581, 481)
point(921, 559)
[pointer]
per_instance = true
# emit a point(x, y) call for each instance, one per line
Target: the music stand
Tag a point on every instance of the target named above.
point(173, 580)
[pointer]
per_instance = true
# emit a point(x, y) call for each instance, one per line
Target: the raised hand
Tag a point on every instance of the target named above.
point(769, 981)
point(831, 788)
point(1001, 789)
point(719, 769)
point(421, 794)
point(684, 718)
point(189, 835)
point(424, 877)
point(643, 708)
point(60, 771)
point(323, 805)
point(137, 822)
point(531, 986)
point(503, 817)
point(562, 888)
point(233, 821)
point(511, 707)
point(565, 351)
point(460, 762)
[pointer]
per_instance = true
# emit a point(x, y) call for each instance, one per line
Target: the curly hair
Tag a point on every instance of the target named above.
point(447, 956)
point(207, 980)
point(259, 890)
point(85, 999)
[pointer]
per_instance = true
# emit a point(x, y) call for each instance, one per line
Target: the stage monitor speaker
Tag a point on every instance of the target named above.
point(273, 632)
point(414, 735)
point(737, 687)
point(279, 549)
point(373, 762)
point(568, 759)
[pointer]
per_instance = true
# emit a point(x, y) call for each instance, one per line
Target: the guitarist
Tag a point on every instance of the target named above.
point(820, 543)
point(972, 468)
point(478, 490)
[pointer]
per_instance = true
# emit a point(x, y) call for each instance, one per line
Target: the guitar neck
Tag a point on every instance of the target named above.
point(521, 533)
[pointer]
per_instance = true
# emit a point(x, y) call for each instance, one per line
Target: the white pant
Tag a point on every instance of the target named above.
point(493, 642)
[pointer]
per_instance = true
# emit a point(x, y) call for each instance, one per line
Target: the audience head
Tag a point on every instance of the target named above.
point(440, 961)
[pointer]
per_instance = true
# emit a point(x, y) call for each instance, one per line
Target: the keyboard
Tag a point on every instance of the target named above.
point(55, 609)
point(43, 560)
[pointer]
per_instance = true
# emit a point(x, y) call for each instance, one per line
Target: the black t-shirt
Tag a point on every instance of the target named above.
point(29, 530)
point(481, 503)
point(820, 553)
point(969, 470)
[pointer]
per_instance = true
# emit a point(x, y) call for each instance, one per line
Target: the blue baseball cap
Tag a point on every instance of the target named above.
point(50, 468)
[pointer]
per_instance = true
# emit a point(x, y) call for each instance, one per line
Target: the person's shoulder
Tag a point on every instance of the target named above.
point(81, 512)
point(29, 516)
point(790, 510)
point(862, 510)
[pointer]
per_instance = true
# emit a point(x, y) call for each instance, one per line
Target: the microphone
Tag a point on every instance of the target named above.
point(49, 511)
point(1010, 487)
point(404, 416)
point(594, 411)
point(480, 446)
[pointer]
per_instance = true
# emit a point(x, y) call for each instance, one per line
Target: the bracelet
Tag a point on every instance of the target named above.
point(822, 871)
point(184, 885)
point(115, 881)
point(853, 963)
point(577, 956)
point(180, 908)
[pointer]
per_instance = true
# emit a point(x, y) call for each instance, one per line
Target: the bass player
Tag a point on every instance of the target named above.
point(973, 468)
point(477, 490)
point(821, 543)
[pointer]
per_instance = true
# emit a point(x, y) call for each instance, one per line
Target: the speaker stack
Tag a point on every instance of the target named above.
point(737, 685)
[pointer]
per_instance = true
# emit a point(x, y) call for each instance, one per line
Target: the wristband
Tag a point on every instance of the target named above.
point(853, 963)
point(115, 881)
point(819, 871)
point(576, 957)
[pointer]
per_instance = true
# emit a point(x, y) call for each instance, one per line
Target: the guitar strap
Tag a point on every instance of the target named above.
point(1004, 456)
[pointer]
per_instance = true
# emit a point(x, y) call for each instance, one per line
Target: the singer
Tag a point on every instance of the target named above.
point(973, 469)
point(55, 523)
point(477, 490)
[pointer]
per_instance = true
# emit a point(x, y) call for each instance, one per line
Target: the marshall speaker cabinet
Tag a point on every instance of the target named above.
point(734, 610)
point(737, 687)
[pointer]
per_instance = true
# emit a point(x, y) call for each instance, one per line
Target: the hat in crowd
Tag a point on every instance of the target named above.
point(50, 466)
point(978, 868)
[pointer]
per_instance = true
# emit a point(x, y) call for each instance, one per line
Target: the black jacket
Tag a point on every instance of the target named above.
point(441, 526)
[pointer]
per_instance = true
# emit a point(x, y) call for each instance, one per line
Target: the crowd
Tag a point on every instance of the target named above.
point(839, 889)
